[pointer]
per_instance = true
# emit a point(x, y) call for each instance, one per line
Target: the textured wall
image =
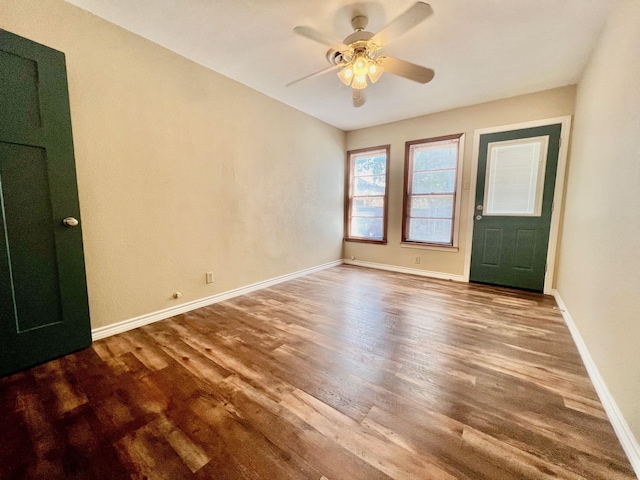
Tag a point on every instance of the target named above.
point(547, 104)
point(183, 171)
point(599, 269)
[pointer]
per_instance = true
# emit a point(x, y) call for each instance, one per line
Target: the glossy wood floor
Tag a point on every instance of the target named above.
point(346, 374)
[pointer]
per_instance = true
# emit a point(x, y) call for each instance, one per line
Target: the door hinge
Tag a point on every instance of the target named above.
point(553, 204)
point(560, 142)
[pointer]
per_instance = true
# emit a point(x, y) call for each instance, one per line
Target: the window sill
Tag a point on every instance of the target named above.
point(366, 240)
point(421, 246)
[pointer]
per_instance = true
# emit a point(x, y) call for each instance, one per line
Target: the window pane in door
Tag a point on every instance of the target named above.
point(515, 177)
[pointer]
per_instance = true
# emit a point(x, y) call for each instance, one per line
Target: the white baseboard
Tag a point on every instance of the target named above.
point(130, 324)
point(411, 271)
point(620, 425)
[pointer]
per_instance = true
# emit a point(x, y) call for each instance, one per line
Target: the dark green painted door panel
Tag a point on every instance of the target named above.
point(512, 250)
point(44, 311)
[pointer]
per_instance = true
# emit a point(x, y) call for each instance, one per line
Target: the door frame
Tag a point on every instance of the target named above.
point(558, 194)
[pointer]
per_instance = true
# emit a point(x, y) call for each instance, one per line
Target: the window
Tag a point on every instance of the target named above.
point(515, 177)
point(431, 191)
point(367, 195)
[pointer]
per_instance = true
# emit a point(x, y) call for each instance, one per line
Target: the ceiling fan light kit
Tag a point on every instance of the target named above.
point(375, 72)
point(355, 73)
point(357, 56)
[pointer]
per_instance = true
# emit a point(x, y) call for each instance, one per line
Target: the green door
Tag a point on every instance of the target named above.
point(44, 311)
point(514, 200)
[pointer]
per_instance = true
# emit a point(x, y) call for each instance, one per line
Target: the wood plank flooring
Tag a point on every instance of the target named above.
point(349, 373)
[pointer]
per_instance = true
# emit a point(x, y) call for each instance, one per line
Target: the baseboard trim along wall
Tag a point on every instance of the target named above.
point(130, 324)
point(620, 425)
point(102, 332)
point(411, 271)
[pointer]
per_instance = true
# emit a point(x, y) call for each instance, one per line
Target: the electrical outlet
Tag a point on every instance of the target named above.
point(209, 277)
point(417, 259)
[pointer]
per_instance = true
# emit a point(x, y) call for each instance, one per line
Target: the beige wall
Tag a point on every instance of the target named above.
point(182, 170)
point(547, 104)
point(599, 270)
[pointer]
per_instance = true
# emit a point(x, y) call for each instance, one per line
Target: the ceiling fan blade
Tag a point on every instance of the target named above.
point(319, 37)
point(407, 70)
point(358, 96)
point(406, 21)
point(316, 74)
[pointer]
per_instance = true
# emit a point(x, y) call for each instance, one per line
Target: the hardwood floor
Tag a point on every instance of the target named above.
point(349, 373)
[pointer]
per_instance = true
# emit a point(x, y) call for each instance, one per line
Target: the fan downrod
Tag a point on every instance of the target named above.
point(359, 23)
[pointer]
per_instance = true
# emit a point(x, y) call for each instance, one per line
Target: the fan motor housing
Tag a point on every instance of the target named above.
point(359, 36)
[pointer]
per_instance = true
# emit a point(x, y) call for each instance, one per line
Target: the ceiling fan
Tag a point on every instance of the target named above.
point(358, 57)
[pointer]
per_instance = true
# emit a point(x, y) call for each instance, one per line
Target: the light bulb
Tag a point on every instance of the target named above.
point(345, 75)
point(359, 81)
point(375, 72)
point(360, 66)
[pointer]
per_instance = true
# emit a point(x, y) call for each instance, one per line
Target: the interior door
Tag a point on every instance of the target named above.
point(514, 201)
point(44, 311)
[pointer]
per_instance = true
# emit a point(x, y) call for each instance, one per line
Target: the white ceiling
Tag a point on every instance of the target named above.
point(481, 50)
